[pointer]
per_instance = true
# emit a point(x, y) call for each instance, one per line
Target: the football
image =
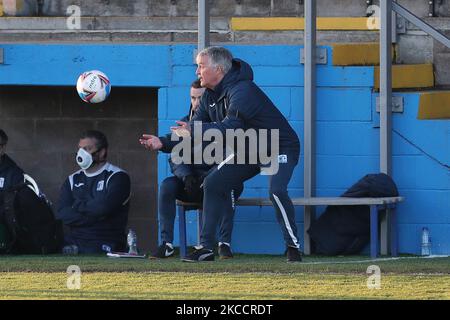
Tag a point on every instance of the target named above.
point(93, 86)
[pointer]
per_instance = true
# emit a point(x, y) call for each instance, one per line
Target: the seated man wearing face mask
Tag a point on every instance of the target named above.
point(94, 201)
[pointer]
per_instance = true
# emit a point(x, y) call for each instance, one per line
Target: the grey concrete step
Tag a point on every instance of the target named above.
point(110, 23)
point(152, 23)
point(152, 36)
point(440, 23)
point(297, 37)
point(109, 36)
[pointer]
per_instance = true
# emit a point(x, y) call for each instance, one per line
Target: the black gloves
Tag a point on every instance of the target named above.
point(192, 188)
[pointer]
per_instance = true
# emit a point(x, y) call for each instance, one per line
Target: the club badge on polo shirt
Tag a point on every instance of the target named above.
point(100, 185)
point(282, 158)
point(2, 182)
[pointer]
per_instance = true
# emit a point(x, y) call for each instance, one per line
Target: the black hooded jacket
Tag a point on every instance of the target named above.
point(238, 103)
point(10, 173)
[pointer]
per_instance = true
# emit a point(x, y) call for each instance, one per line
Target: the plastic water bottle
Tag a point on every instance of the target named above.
point(70, 250)
point(426, 242)
point(132, 242)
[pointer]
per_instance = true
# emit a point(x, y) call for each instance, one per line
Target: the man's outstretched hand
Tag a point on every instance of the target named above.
point(182, 130)
point(151, 142)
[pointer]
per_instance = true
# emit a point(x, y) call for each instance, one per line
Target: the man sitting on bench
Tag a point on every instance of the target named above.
point(229, 82)
point(185, 185)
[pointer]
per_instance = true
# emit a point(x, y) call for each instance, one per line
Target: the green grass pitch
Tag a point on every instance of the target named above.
point(244, 277)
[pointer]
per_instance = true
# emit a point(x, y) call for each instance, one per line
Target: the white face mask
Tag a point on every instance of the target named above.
point(84, 159)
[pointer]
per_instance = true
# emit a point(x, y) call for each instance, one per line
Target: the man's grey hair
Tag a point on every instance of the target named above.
point(219, 57)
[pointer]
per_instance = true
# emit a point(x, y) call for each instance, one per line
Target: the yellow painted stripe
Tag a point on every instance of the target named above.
point(355, 54)
point(1, 8)
point(294, 23)
point(250, 24)
point(406, 76)
point(434, 105)
point(345, 23)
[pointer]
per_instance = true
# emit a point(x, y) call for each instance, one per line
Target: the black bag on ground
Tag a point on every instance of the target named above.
point(343, 230)
point(30, 222)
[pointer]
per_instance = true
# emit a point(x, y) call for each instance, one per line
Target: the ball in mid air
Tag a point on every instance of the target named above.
point(93, 86)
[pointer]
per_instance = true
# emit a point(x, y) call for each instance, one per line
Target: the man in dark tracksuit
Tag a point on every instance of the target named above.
point(10, 173)
point(10, 176)
point(233, 101)
point(185, 185)
point(230, 86)
point(94, 201)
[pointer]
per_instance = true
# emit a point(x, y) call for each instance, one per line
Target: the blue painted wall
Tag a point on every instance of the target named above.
point(347, 127)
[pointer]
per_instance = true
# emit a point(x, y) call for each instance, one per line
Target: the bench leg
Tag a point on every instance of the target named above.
point(373, 231)
point(385, 222)
point(182, 228)
point(199, 224)
point(308, 216)
point(393, 231)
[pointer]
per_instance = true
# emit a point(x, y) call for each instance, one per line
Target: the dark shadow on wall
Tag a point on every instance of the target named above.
point(44, 125)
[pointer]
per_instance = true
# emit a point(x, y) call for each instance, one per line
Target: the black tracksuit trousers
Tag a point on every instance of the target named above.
point(218, 199)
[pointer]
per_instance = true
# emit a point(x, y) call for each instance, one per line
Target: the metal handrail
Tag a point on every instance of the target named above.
point(411, 17)
point(387, 7)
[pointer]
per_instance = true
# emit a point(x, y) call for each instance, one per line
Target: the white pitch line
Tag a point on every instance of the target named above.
point(374, 260)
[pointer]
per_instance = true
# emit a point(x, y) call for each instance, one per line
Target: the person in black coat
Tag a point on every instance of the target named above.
point(10, 173)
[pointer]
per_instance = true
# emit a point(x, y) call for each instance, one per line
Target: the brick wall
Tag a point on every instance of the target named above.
point(44, 124)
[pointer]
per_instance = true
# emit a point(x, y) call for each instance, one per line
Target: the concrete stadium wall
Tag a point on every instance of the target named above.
point(347, 128)
point(222, 7)
point(175, 21)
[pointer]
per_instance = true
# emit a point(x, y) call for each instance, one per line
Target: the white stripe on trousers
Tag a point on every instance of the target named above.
point(231, 156)
point(286, 221)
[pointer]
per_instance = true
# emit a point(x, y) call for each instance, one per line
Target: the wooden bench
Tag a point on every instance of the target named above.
point(376, 204)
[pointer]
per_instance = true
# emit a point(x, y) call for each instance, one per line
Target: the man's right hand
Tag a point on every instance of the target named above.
point(151, 142)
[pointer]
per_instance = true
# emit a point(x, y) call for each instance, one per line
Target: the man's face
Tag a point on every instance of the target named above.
point(89, 144)
point(208, 75)
point(196, 94)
